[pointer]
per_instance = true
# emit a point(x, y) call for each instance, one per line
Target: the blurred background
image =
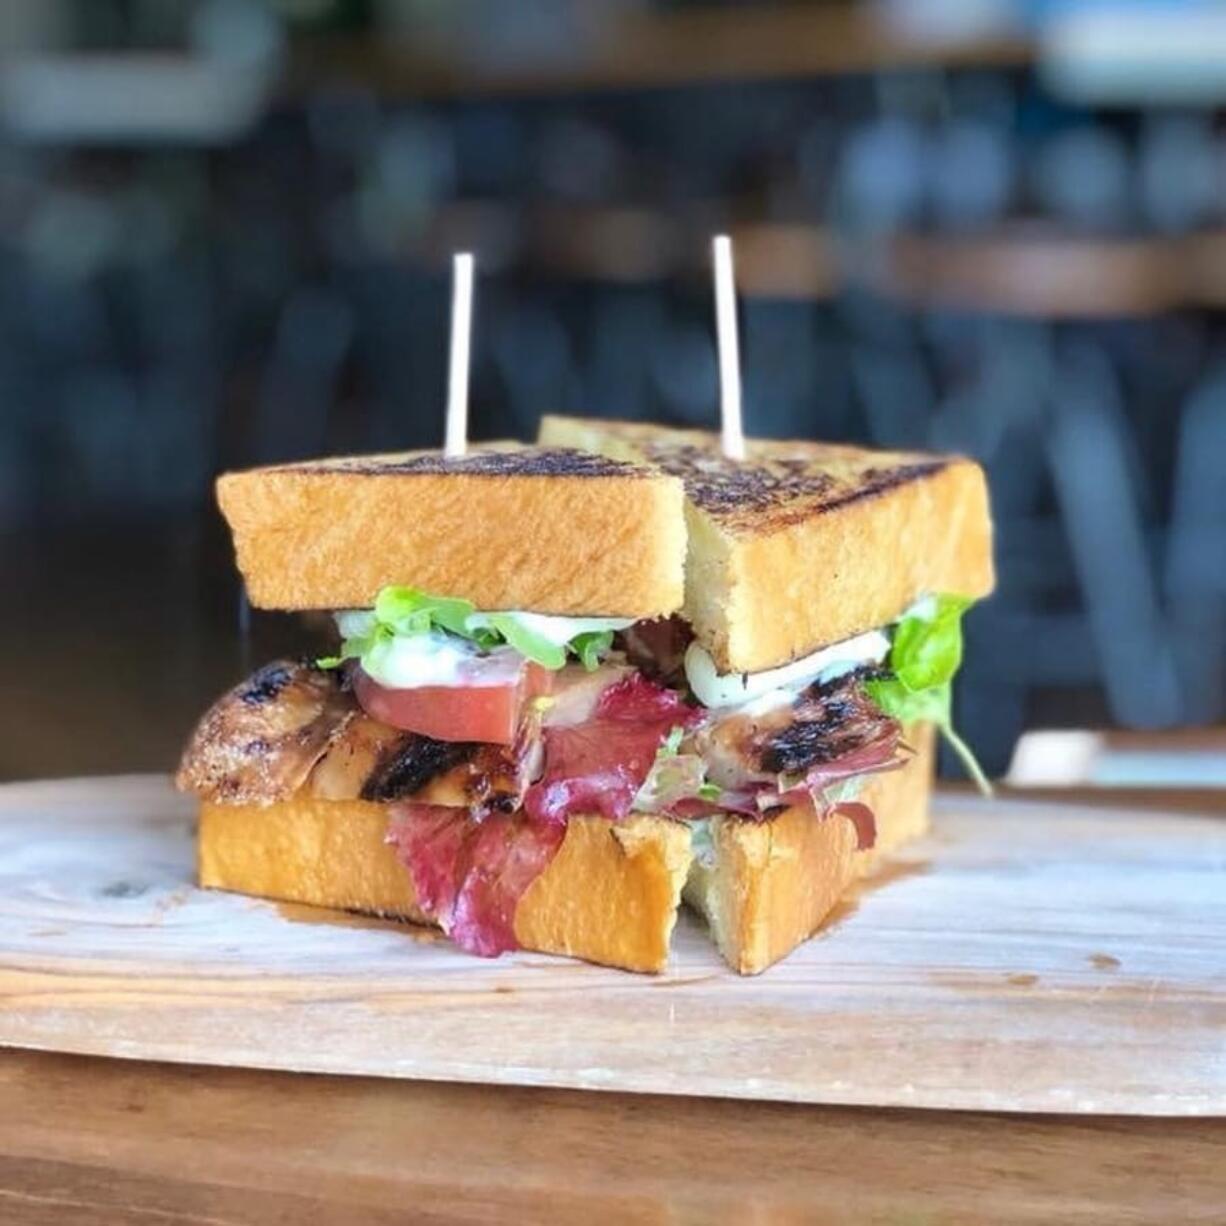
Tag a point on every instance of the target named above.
point(995, 226)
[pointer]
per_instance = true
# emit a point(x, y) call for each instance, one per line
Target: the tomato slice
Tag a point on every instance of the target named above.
point(485, 707)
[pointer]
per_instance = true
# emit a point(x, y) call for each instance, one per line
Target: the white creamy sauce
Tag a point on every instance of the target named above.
point(354, 623)
point(408, 661)
point(924, 608)
point(775, 686)
point(411, 660)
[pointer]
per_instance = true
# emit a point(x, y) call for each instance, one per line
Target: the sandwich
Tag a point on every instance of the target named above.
point(427, 771)
point(824, 591)
point(577, 681)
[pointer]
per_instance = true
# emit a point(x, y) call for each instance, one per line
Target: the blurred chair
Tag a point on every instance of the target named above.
point(1088, 455)
point(1195, 580)
point(301, 381)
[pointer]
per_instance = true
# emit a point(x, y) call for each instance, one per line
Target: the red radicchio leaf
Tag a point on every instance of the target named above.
point(635, 699)
point(743, 801)
point(468, 873)
point(598, 766)
point(429, 840)
point(860, 816)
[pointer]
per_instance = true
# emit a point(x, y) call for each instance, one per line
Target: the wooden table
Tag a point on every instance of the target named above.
point(92, 1140)
point(86, 1140)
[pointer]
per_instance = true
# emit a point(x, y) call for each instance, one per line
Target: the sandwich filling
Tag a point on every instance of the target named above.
point(485, 732)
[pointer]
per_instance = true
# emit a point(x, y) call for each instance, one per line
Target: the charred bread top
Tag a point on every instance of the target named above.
point(549, 530)
point(805, 544)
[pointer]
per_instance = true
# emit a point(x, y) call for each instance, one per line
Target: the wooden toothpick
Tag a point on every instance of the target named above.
point(732, 435)
point(456, 437)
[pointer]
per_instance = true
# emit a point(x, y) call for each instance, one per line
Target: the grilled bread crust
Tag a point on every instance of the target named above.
point(610, 894)
point(805, 544)
point(769, 885)
point(554, 531)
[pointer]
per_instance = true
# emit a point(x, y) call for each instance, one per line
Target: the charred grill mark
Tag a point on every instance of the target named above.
point(266, 684)
point(831, 721)
point(858, 675)
point(723, 486)
point(291, 722)
point(550, 462)
point(408, 765)
point(874, 481)
point(502, 781)
point(791, 489)
point(258, 743)
point(807, 743)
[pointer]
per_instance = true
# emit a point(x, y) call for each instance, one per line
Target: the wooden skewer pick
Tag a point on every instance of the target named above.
point(456, 437)
point(732, 436)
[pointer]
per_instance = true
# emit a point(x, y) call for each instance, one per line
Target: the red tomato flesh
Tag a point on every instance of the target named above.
point(485, 708)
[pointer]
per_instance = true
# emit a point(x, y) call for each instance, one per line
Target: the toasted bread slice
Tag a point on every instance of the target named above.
point(765, 887)
point(806, 544)
point(610, 895)
point(554, 531)
point(899, 800)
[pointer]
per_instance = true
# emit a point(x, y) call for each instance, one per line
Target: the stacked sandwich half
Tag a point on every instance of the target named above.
point(577, 681)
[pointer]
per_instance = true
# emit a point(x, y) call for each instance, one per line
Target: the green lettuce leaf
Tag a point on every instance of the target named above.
point(406, 611)
point(925, 653)
point(591, 646)
point(513, 631)
point(671, 745)
point(673, 776)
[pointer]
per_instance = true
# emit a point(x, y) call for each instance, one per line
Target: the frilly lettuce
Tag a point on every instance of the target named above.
point(407, 611)
point(924, 656)
point(674, 776)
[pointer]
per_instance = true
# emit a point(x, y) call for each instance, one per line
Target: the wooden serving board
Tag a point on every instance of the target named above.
point(1027, 957)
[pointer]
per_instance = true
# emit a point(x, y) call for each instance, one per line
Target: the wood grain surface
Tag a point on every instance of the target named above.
point(1026, 958)
point(89, 1141)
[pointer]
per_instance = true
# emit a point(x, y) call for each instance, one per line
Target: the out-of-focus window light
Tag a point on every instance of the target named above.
point(951, 21)
point(1054, 758)
point(1069, 758)
point(210, 93)
point(1120, 53)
